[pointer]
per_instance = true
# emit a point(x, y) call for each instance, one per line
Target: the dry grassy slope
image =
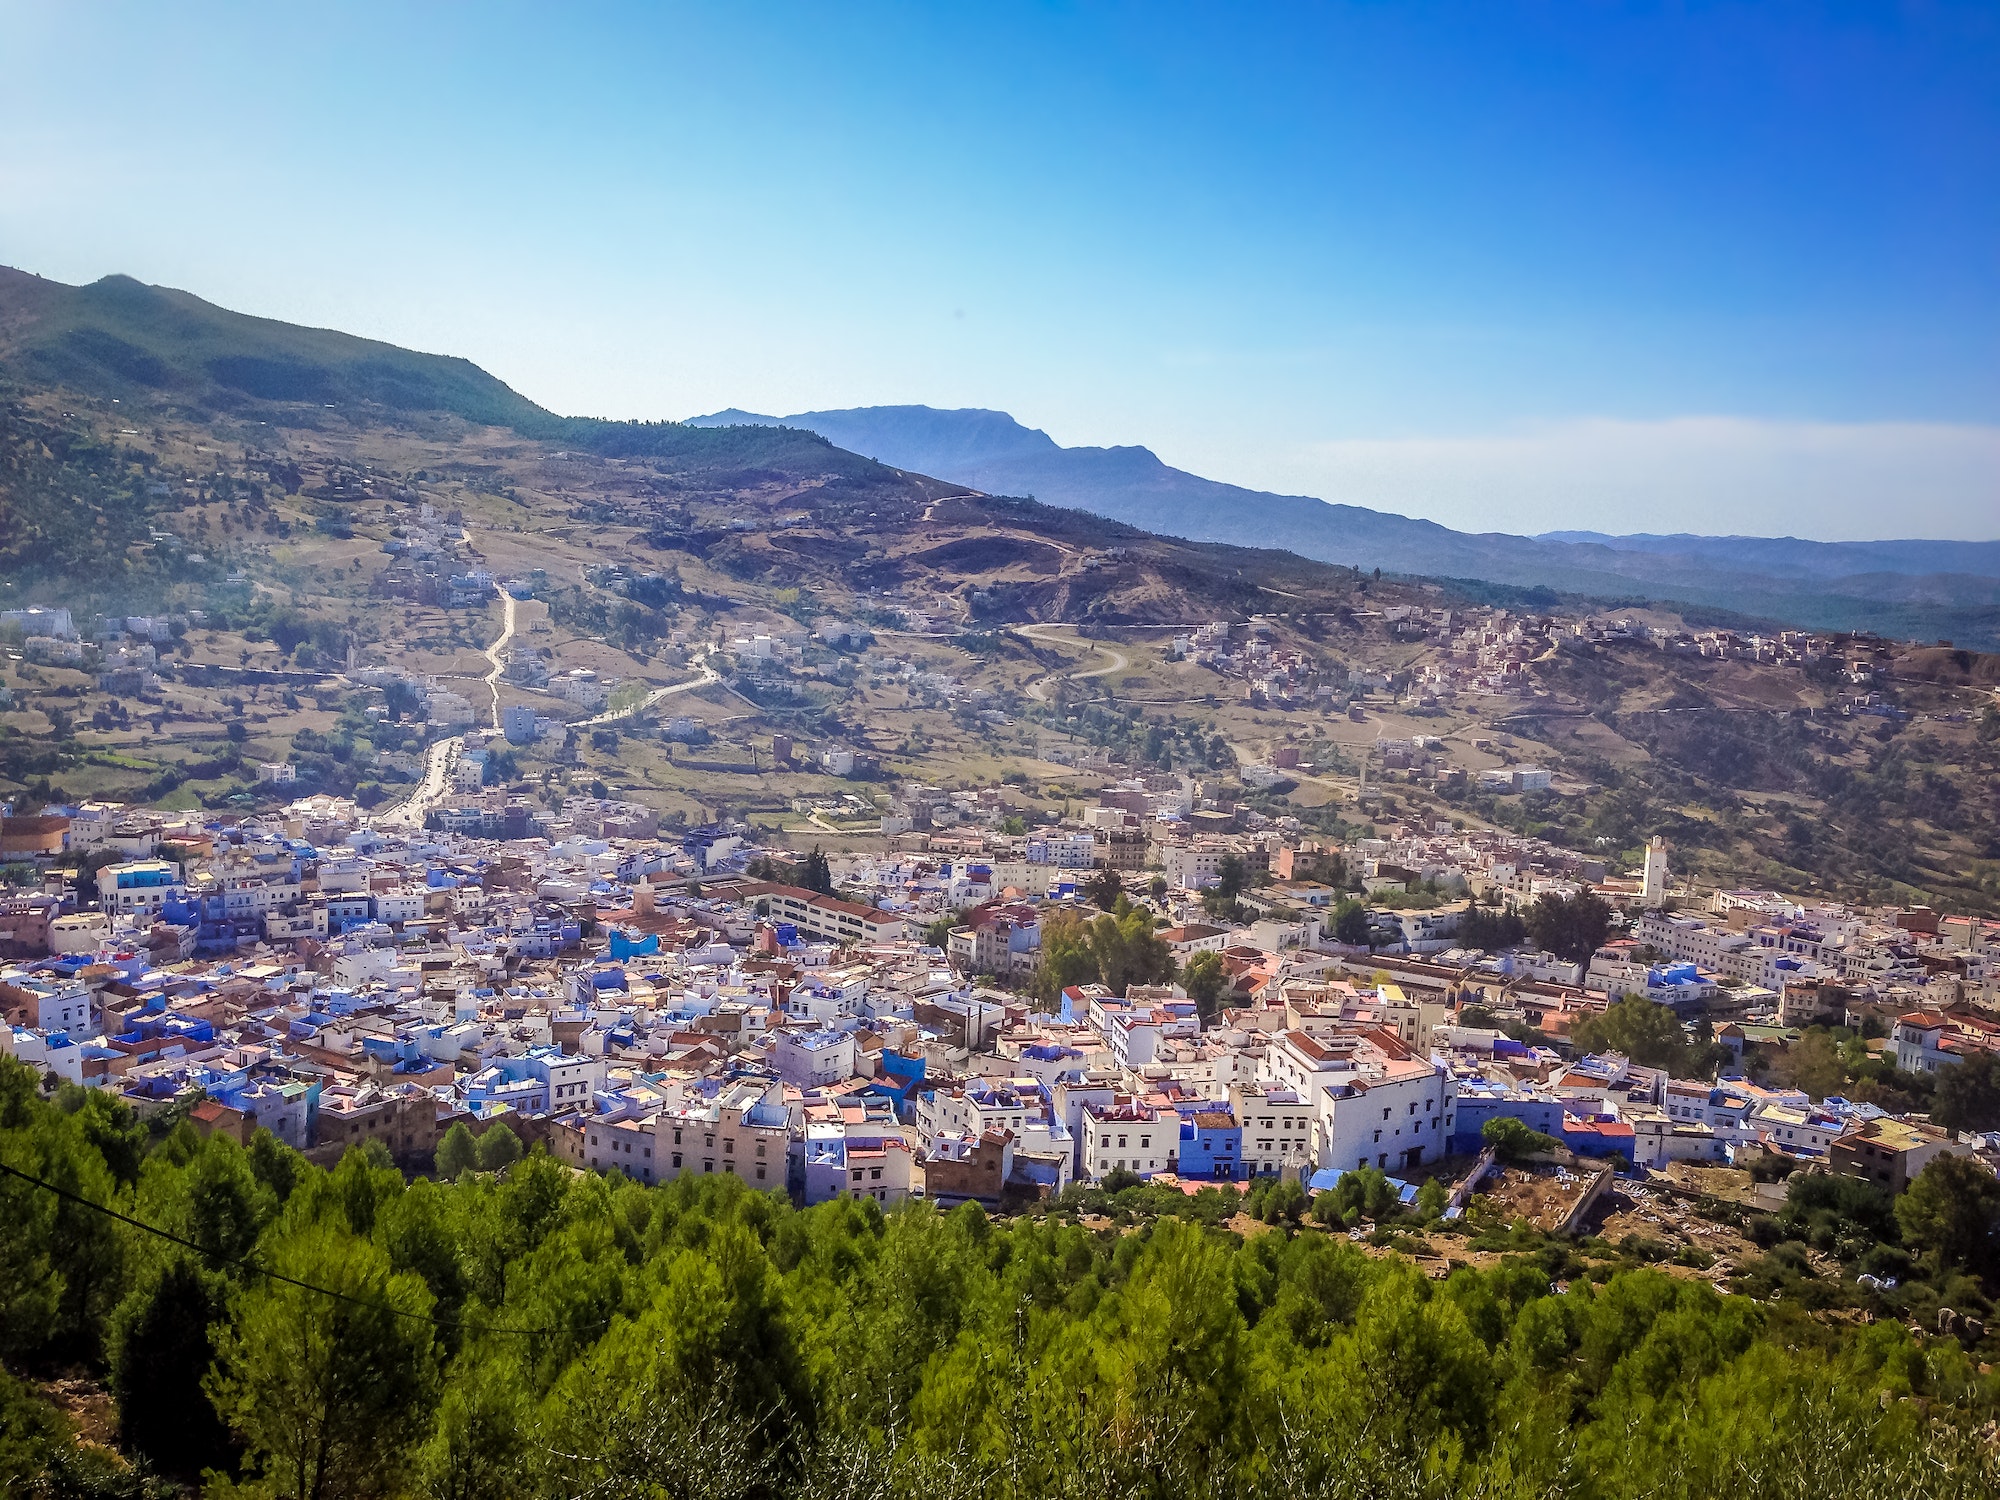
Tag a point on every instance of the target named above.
point(758, 526)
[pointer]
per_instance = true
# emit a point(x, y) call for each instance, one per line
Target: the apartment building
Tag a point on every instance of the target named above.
point(1277, 1128)
point(741, 1130)
point(1134, 1137)
point(1375, 1103)
point(833, 920)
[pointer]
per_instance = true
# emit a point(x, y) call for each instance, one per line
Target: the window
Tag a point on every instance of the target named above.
point(677, 1137)
point(760, 1150)
point(729, 1146)
point(760, 1174)
point(874, 1174)
point(857, 1174)
point(677, 1158)
point(708, 1166)
point(1121, 1140)
point(1385, 1111)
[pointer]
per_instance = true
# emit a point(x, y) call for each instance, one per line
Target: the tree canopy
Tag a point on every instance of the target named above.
point(1571, 927)
point(1648, 1033)
point(536, 1332)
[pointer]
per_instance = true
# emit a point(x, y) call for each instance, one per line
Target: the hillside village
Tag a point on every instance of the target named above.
point(898, 1023)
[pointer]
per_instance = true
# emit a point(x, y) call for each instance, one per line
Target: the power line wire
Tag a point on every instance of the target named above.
point(252, 1266)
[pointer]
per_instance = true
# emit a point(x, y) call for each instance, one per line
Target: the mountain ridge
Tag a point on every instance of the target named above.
point(118, 338)
point(1788, 578)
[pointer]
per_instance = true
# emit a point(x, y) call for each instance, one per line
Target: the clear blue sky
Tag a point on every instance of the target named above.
point(1715, 267)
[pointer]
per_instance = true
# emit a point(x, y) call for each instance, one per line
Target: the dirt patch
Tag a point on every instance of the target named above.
point(88, 1405)
point(1543, 1198)
point(1701, 1248)
point(992, 554)
point(1731, 1184)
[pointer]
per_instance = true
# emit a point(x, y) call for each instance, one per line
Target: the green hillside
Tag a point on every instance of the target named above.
point(119, 339)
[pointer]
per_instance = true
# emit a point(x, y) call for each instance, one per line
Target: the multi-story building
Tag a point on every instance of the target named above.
point(1889, 1153)
point(139, 887)
point(1375, 1103)
point(1135, 1137)
point(1277, 1125)
point(834, 920)
point(834, 1160)
point(740, 1130)
point(1928, 1040)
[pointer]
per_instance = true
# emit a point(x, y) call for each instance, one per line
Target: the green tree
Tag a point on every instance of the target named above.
point(1515, 1140)
point(1104, 888)
point(479, 1448)
point(815, 874)
point(1813, 1063)
point(1432, 1198)
point(1229, 877)
point(1065, 957)
point(1285, 1203)
point(328, 1392)
point(1480, 927)
point(1952, 1210)
point(162, 1345)
point(1350, 924)
point(1968, 1094)
point(499, 1148)
point(458, 1152)
point(1127, 949)
point(1204, 978)
point(1647, 1033)
point(1572, 927)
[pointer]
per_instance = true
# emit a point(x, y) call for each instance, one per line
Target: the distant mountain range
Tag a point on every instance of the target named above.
point(1914, 589)
point(118, 338)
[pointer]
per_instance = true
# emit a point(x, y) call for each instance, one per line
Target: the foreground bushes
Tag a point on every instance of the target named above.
point(537, 1333)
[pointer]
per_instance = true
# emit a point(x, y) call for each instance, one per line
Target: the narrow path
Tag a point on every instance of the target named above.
point(1037, 690)
point(707, 675)
point(438, 760)
point(440, 757)
point(495, 653)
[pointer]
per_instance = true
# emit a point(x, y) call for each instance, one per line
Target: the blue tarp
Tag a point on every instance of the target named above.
point(623, 947)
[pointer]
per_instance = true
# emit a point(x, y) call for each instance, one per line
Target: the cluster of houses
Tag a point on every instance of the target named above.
point(637, 1001)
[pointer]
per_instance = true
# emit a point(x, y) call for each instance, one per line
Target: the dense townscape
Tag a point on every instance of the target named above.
point(1052, 752)
point(1472, 1052)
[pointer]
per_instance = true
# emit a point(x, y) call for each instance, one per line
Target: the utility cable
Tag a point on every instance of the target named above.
point(252, 1266)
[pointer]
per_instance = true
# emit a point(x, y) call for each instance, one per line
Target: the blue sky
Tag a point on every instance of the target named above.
point(1705, 267)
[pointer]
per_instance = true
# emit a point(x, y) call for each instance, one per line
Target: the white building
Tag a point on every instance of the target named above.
point(1653, 885)
point(1129, 1136)
point(448, 710)
point(140, 887)
point(1277, 1128)
point(1375, 1103)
